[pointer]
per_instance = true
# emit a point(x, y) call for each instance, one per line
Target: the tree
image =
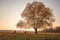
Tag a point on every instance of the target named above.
point(21, 24)
point(37, 15)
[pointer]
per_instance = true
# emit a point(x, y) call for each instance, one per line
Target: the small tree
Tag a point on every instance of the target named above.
point(37, 15)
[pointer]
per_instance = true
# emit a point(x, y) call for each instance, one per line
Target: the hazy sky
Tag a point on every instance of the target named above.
point(10, 11)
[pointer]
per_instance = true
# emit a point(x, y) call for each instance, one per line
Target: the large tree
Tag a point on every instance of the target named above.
point(37, 15)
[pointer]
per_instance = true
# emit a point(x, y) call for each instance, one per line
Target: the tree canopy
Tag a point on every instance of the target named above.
point(37, 15)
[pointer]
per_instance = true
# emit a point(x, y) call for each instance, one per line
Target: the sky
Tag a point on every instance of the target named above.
point(10, 12)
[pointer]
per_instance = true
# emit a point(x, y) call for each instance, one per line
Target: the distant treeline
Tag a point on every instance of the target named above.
point(57, 29)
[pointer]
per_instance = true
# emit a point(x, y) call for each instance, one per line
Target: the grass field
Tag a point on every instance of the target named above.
point(19, 36)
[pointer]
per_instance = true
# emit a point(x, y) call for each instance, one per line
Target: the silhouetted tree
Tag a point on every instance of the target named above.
point(37, 15)
point(21, 24)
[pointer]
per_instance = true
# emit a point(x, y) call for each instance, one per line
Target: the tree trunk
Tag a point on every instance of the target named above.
point(35, 31)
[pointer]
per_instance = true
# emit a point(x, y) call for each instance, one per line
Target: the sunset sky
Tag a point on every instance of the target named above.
point(10, 11)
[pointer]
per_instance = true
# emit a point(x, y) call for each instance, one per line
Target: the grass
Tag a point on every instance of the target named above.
point(30, 36)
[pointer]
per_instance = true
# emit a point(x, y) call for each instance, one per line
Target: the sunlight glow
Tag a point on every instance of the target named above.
point(30, 29)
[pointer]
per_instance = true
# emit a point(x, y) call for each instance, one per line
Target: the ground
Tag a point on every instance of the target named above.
point(20, 36)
